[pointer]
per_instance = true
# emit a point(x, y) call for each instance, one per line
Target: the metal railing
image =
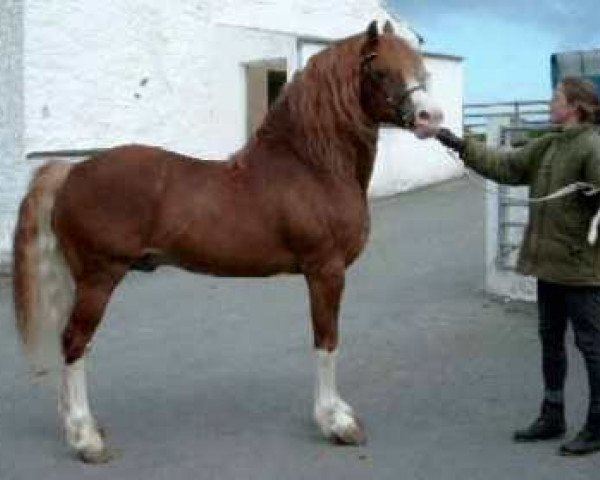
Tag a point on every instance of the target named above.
point(476, 116)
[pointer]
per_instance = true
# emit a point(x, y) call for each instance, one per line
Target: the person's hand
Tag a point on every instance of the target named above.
point(448, 139)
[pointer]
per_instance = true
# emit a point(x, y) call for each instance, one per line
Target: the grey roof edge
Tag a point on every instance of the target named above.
point(443, 56)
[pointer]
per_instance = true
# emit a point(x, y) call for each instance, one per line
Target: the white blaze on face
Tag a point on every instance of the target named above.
point(428, 113)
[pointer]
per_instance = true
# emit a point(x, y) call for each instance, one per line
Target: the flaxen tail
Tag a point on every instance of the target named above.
point(42, 284)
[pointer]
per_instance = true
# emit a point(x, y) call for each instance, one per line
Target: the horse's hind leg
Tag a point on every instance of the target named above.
point(334, 416)
point(82, 432)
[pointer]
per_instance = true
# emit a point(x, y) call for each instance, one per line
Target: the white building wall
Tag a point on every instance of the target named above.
point(243, 46)
point(100, 73)
point(13, 169)
point(318, 18)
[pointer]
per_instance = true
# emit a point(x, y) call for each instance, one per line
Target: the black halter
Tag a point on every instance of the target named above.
point(406, 94)
point(404, 114)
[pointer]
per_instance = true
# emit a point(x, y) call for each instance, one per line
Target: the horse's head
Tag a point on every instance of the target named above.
point(393, 86)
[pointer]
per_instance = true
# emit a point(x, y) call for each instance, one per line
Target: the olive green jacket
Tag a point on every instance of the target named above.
point(555, 246)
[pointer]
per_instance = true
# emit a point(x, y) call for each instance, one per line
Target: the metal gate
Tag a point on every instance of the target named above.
point(513, 209)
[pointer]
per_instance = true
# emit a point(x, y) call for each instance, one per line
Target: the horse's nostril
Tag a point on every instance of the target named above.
point(423, 115)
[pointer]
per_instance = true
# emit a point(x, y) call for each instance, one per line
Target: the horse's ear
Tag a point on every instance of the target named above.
point(388, 27)
point(372, 32)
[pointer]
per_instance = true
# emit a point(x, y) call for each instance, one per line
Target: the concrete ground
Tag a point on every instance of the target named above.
point(202, 378)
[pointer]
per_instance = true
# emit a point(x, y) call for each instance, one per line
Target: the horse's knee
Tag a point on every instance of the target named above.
point(74, 344)
point(328, 345)
point(325, 332)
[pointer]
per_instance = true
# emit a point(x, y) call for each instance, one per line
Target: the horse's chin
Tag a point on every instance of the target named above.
point(424, 129)
point(423, 133)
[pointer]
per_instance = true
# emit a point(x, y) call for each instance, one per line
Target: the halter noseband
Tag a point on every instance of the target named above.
point(406, 94)
point(407, 116)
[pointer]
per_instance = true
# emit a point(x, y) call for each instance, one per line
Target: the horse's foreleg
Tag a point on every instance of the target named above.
point(334, 416)
point(81, 429)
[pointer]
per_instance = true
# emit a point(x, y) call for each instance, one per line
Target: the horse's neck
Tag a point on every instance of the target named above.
point(346, 153)
point(360, 158)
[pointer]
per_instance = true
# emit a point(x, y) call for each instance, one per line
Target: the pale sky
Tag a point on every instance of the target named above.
point(506, 44)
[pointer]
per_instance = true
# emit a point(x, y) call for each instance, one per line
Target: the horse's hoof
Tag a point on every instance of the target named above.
point(97, 457)
point(353, 434)
point(102, 432)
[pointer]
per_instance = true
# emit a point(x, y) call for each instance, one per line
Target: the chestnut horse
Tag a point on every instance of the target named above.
point(293, 200)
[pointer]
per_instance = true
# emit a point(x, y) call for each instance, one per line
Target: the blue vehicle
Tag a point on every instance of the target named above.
point(582, 63)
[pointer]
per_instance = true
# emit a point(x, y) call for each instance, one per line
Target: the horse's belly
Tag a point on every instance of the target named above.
point(225, 252)
point(236, 264)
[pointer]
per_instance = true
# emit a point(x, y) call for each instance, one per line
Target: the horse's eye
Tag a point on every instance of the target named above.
point(378, 76)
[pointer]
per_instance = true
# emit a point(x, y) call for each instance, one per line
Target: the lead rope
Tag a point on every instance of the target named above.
point(586, 188)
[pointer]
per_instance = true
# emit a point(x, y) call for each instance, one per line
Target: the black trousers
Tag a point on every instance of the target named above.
point(581, 305)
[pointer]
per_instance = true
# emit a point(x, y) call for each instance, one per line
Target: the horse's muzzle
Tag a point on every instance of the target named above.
point(417, 112)
point(427, 121)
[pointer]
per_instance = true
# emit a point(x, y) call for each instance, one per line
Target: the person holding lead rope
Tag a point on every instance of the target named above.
point(562, 170)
